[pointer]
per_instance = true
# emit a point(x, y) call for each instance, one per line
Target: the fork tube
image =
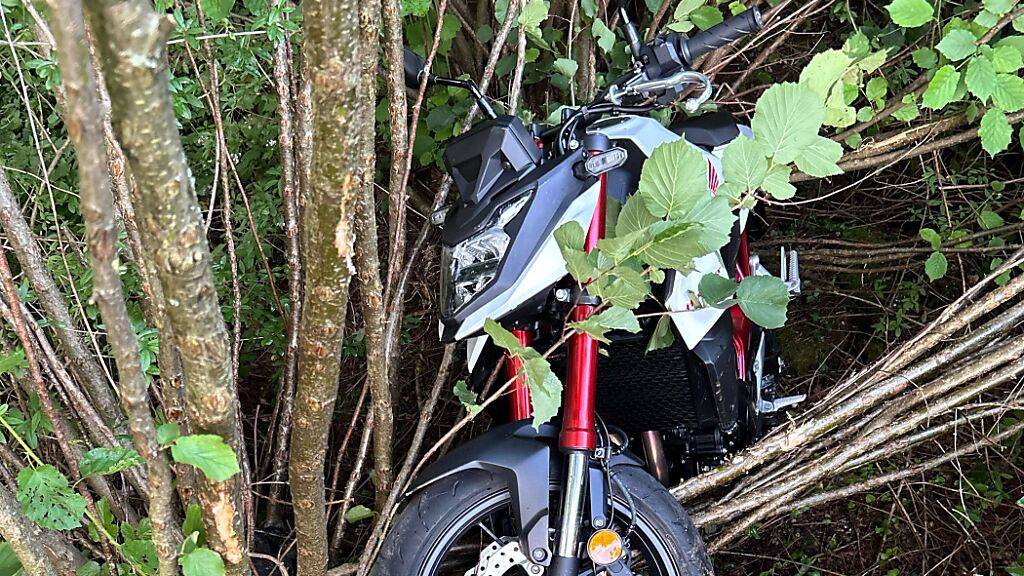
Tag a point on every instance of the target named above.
point(578, 437)
point(519, 407)
point(578, 419)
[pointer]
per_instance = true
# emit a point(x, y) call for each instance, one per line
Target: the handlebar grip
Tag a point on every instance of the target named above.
point(722, 34)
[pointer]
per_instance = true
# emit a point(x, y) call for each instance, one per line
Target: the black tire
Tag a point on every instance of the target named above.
point(434, 517)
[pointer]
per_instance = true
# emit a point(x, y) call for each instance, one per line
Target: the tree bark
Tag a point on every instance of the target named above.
point(332, 54)
point(131, 40)
point(83, 118)
point(33, 263)
point(41, 552)
point(289, 198)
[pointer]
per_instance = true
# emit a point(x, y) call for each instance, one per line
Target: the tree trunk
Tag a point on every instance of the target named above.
point(131, 39)
point(33, 263)
point(340, 115)
point(41, 552)
point(83, 118)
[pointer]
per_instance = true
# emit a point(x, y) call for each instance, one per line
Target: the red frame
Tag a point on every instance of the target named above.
point(519, 406)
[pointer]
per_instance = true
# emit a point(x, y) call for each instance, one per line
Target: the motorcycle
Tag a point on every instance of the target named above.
point(570, 499)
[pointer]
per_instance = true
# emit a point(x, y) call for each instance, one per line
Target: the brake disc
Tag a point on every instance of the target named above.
point(500, 557)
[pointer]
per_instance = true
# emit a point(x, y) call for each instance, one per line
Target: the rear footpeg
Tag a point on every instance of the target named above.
point(773, 406)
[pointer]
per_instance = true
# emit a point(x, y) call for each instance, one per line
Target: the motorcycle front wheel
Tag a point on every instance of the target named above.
point(447, 527)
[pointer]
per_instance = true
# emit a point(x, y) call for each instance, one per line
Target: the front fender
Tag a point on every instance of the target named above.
point(522, 455)
point(526, 458)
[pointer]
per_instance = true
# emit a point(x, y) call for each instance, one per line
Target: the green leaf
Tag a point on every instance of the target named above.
point(999, 7)
point(824, 70)
point(48, 500)
point(603, 35)
point(925, 58)
point(857, 46)
point(467, 397)
point(663, 336)
point(614, 318)
point(995, 132)
point(989, 220)
point(764, 300)
point(167, 433)
point(202, 562)
point(820, 158)
point(910, 13)
point(570, 238)
point(501, 337)
point(716, 290)
point(634, 217)
point(672, 178)
point(1006, 59)
point(90, 568)
point(209, 453)
point(685, 7)
point(958, 44)
point(787, 119)
point(706, 16)
point(545, 390)
point(419, 8)
point(909, 111)
point(981, 77)
point(624, 287)
point(777, 182)
point(1008, 94)
point(217, 10)
point(193, 523)
point(932, 237)
point(942, 89)
point(358, 513)
point(744, 163)
point(936, 265)
point(566, 67)
point(876, 88)
point(533, 13)
point(102, 461)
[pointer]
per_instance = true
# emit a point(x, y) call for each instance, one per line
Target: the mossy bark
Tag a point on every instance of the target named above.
point(332, 54)
point(83, 118)
point(131, 40)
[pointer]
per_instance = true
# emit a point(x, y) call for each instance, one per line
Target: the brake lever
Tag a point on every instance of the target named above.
point(615, 94)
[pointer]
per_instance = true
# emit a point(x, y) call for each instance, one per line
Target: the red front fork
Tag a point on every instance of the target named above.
point(578, 431)
point(519, 399)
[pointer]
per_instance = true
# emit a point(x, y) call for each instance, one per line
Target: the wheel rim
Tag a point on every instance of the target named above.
point(489, 517)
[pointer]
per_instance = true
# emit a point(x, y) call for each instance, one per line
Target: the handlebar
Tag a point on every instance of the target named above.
point(722, 34)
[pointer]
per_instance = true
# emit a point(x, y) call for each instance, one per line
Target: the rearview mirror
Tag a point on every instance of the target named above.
point(414, 65)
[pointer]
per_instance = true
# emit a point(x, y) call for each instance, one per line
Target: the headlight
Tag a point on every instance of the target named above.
point(471, 264)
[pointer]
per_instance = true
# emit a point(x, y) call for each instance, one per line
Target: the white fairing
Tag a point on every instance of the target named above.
point(546, 268)
point(647, 134)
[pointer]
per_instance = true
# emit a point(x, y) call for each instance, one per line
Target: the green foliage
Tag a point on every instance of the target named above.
point(202, 562)
point(545, 387)
point(936, 265)
point(47, 498)
point(103, 461)
point(910, 13)
point(614, 318)
point(358, 513)
point(995, 131)
point(209, 453)
point(9, 563)
point(467, 397)
point(167, 433)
